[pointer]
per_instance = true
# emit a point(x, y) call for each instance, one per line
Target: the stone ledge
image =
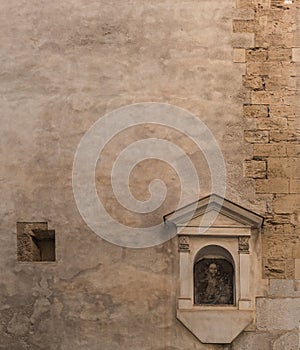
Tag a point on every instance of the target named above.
point(215, 326)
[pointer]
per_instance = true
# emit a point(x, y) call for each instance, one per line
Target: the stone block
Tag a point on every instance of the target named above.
point(265, 97)
point(294, 164)
point(269, 150)
point(279, 167)
point(244, 40)
point(273, 228)
point(296, 54)
point(295, 186)
point(262, 4)
point(255, 169)
point(256, 111)
point(251, 341)
point(18, 325)
point(254, 82)
point(289, 68)
point(272, 123)
point(239, 55)
point(290, 97)
point(282, 111)
point(275, 82)
point(264, 68)
point(243, 26)
point(293, 150)
point(243, 13)
point(244, 3)
point(297, 269)
point(284, 288)
point(285, 136)
point(296, 252)
point(279, 54)
point(278, 314)
point(293, 124)
point(256, 55)
point(281, 3)
point(274, 268)
point(255, 136)
point(279, 246)
point(292, 82)
point(290, 269)
point(287, 341)
point(272, 186)
point(286, 204)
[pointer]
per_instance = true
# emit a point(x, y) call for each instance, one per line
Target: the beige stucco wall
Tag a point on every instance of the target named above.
point(64, 65)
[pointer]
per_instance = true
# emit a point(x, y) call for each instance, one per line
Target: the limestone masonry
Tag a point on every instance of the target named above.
point(234, 65)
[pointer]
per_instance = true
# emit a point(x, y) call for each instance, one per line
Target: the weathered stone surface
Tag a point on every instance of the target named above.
point(279, 54)
point(274, 268)
point(288, 340)
point(286, 204)
point(282, 167)
point(239, 55)
point(264, 68)
point(282, 111)
point(256, 136)
point(294, 186)
point(272, 186)
point(65, 65)
point(240, 26)
point(245, 40)
point(265, 97)
point(244, 3)
point(243, 13)
point(296, 54)
point(255, 168)
point(19, 325)
point(272, 123)
point(278, 314)
point(284, 288)
point(250, 341)
point(284, 136)
point(293, 150)
point(253, 82)
point(297, 269)
point(257, 111)
point(257, 55)
point(269, 150)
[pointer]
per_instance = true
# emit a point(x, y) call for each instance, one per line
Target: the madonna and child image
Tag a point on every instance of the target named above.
point(213, 282)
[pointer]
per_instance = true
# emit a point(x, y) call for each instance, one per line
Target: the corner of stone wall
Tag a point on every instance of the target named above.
point(266, 40)
point(277, 319)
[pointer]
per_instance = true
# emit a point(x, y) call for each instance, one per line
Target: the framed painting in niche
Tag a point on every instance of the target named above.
point(220, 274)
point(213, 282)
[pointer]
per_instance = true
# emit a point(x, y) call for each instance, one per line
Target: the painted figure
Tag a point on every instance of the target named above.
point(214, 287)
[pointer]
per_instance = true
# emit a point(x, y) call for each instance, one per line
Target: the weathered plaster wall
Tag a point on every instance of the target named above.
point(64, 64)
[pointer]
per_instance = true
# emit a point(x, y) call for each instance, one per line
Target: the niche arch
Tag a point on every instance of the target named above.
point(219, 231)
point(214, 276)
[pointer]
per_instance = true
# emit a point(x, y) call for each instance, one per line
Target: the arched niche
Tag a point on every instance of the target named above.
point(214, 276)
point(225, 234)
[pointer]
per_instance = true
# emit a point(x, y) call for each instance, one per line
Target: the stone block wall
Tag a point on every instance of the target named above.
point(272, 81)
point(277, 324)
point(65, 64)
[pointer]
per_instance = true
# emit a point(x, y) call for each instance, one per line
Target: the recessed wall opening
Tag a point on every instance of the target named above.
point(35, 242)
point(214, 282)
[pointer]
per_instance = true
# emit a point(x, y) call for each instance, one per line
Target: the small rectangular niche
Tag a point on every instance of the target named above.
point(35, 242)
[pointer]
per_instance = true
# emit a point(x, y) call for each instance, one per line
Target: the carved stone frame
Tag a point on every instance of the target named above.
point(237, 230)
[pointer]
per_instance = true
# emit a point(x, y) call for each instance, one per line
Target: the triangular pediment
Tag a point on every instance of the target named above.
point(214, 210)
point(213, 218)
